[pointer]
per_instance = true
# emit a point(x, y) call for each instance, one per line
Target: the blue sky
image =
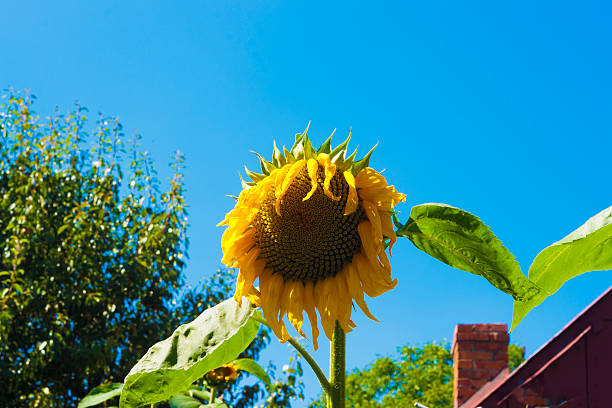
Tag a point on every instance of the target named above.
point(502, 109)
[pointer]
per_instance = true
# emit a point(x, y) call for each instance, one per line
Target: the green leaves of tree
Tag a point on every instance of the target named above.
point(589, 248)
point(463, 241)
point(215, 337)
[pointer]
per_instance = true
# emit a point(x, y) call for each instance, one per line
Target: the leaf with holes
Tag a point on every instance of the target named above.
point(214, 338)
point(589, 248)
point(463, 241)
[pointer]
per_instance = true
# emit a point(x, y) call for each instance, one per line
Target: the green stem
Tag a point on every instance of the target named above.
point(311, 361)
point(212, 395)
point(335, 398)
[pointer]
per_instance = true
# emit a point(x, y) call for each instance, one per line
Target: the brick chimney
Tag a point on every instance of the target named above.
point(480, 352)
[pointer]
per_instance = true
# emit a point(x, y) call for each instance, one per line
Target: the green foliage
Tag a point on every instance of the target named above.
point(463, 241)
point(516, 355)
point(589, 248)
point(422, 375)
point(286, 386)
point(92, 253)
point(214, 338)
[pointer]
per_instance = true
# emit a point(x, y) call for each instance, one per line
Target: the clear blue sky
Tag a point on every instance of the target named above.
point(503, 109)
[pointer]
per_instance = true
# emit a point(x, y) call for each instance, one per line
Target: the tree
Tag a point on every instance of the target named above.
point(423, 375)
point(92, 256)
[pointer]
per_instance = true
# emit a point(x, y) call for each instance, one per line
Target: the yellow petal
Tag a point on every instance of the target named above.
point(313, 168)
point(309, 306)
point(293, 172)
point(330, 172)
point(352, 200)
point(387, 228)
point(271, 287)
point(372, 214)
point(373, 187)
point(295, 312)
point(250, 270)
point(321, 296)
point(354, 286)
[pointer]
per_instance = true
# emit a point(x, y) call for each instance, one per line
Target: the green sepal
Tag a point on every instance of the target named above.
point(232, 196)
point(245, 184)
point(363, 163)
point(346, 162)
point(266, 166)
point(277, 157)
point(289, 156)
point(256, 177)
point(326, 146)
point(340, 150)
point(298, 148)
point(309, 152)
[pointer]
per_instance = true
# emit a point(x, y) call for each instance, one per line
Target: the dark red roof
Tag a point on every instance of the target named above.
point(574, 369)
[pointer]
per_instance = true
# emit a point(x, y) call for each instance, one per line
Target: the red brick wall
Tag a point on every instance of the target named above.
point(480, 352)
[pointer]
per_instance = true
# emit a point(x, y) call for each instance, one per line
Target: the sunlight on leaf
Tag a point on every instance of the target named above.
point(214, 338)
point(100, 394)
point(463, 241)
point(589, 248)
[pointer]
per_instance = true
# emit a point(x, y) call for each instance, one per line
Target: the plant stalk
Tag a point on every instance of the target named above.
point(212, 395)
point(337, 368)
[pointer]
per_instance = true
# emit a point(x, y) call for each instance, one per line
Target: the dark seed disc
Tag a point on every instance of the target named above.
point(311, 239)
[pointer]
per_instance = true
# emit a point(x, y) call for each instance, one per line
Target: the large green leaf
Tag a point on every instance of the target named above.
point(100, 394)
point(250, 366)
point(589, 248)
point(463, 241)
point(214, 338)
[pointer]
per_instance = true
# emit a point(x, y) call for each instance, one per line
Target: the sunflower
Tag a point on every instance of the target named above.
point(313, 227)
point(226, 373)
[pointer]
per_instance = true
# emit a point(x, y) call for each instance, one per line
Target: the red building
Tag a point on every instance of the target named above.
point(574, 369)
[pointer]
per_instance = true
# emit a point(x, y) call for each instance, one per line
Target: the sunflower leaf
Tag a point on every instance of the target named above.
point(168, 368)
point(589, 248)
point(100, 394)
point(250, 366)
point(463, 241)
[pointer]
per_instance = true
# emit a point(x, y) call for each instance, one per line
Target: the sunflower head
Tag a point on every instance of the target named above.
point(313, 227)
point(220, 375)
